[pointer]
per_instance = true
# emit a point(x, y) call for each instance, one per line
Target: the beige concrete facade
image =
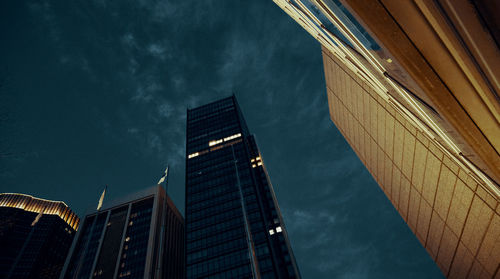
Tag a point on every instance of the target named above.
point(453, 214)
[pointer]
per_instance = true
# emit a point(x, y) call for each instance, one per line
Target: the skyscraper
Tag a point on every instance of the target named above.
point(234, 228)
point(413, 87)
point(139, 236)
point(35, 236)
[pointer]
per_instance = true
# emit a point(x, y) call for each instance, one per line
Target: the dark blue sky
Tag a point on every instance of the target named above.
point(95, 92)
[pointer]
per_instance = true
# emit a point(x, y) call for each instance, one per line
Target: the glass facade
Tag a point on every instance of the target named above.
point(136, 241)
point(233, 225)
point(129, 240)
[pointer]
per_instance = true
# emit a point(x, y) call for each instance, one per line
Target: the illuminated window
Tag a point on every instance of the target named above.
point(254, 165)
point(271, 232)
point(259, 164)
point(127, 239)
point(131, 223)
point(193, 155)
point(232, 137)
point(214, 142)
point(278, 229)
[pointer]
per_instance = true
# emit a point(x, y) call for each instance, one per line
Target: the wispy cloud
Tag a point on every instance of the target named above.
point(146, 92)
point(157, 50)
point(132, 130)
point(129, 40)
point(45, 10)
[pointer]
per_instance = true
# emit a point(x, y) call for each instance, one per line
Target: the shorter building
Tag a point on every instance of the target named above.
point(139, 236)
point(35, 236)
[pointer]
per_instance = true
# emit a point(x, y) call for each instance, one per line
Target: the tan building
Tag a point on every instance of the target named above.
point(413, 87)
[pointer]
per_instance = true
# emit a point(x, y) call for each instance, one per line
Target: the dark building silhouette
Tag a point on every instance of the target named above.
point(140, 236)
point(35, 236)
point(234, 227)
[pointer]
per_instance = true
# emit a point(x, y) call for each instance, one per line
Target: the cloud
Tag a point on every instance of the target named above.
point(155, 142)
point(44, 10)
point(129, 40)
point(157, 50)
point(165, 110)
point(145, 92)
point(132, 130)
point(320, 233)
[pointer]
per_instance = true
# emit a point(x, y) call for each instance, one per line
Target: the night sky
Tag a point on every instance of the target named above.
point(96, 92)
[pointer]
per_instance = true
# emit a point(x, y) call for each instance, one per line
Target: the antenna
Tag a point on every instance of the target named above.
point(164, 178)
point(101, 199)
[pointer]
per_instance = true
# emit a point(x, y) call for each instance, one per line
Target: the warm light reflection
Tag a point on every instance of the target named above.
point(232, 137)
point(257, 161)
point(215, 142)
point(43, 206)
point(193, 155)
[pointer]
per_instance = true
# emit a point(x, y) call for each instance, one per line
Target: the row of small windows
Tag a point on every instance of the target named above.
point(217, 154)
point(255, 216)
point(227, 114)
point(212, 133)
point(259, 237)
point(215, 219)
point(209, 160)
point(235, 203)
point(214, 229)
point(261, 250)
point(212, 141)
point(211, 194)
point(217, 238)
point(226, 167)
point(242, 272)
point(212, 126)
point(205, 180)
point(191, 208)
point(210, 108)
point(256, 226)
point(225, 171)
point(228, 164)
point(219, 181)
point(218, 264)
point(265, 264)
point(252, 206)
point(222, 248)
point(208, 187)
point(215, 149)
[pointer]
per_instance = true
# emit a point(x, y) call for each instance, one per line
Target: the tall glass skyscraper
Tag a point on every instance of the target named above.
point(234, 227)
